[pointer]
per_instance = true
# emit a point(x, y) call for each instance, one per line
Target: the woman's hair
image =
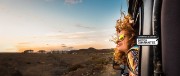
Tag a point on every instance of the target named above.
point(119, 56)
point(125, 24)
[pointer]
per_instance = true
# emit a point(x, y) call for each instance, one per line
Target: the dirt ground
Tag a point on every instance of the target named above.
point(35, 64)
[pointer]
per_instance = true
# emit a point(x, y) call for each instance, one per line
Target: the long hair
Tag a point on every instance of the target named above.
point(124, 24)
point(119, 56)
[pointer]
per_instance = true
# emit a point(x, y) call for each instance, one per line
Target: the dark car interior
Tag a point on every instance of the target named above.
point(160, 18)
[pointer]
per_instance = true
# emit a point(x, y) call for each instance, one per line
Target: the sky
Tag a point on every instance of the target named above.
point(58, 24)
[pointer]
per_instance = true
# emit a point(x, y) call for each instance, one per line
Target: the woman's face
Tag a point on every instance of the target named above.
point(123, 43)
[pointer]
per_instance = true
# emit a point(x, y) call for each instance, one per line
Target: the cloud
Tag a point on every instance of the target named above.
point(97, 45)
point(23, 43)
point(49, 0)
point(11, 49)
point(60, 31)
point(67, 37)
point(81, 26)
point(76, 35)
point(63, 45)
point(71, 2)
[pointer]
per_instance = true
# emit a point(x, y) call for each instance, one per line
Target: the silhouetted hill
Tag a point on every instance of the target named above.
point(91, 50)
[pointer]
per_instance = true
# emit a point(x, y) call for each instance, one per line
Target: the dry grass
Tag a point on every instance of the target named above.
point(53, 64)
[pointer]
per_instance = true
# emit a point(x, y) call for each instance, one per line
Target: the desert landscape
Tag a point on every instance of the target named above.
point(83, 62)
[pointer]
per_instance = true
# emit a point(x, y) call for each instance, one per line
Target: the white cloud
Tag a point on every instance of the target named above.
point(49, 0)
point(70, 2)
point(86, 27)
point(75, 35)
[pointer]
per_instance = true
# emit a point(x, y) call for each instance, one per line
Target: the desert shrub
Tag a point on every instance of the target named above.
point(4, 71)
point(98, 67)
point(28, 62)
point(10, 59)
point(101, 61)
point(94, 57)
point(16, 73)
point(74, 67)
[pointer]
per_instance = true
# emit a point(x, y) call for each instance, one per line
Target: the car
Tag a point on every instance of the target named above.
point(159, 18)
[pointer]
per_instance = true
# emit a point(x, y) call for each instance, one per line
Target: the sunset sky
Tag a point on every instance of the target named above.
point(57, 24)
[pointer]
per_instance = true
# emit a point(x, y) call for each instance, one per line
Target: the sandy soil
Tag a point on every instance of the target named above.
point(83, 64)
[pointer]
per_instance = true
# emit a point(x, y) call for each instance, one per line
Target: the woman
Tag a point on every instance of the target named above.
point(126, 52)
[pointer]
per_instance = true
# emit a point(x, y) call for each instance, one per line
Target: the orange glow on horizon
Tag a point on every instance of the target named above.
point(55, 47)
